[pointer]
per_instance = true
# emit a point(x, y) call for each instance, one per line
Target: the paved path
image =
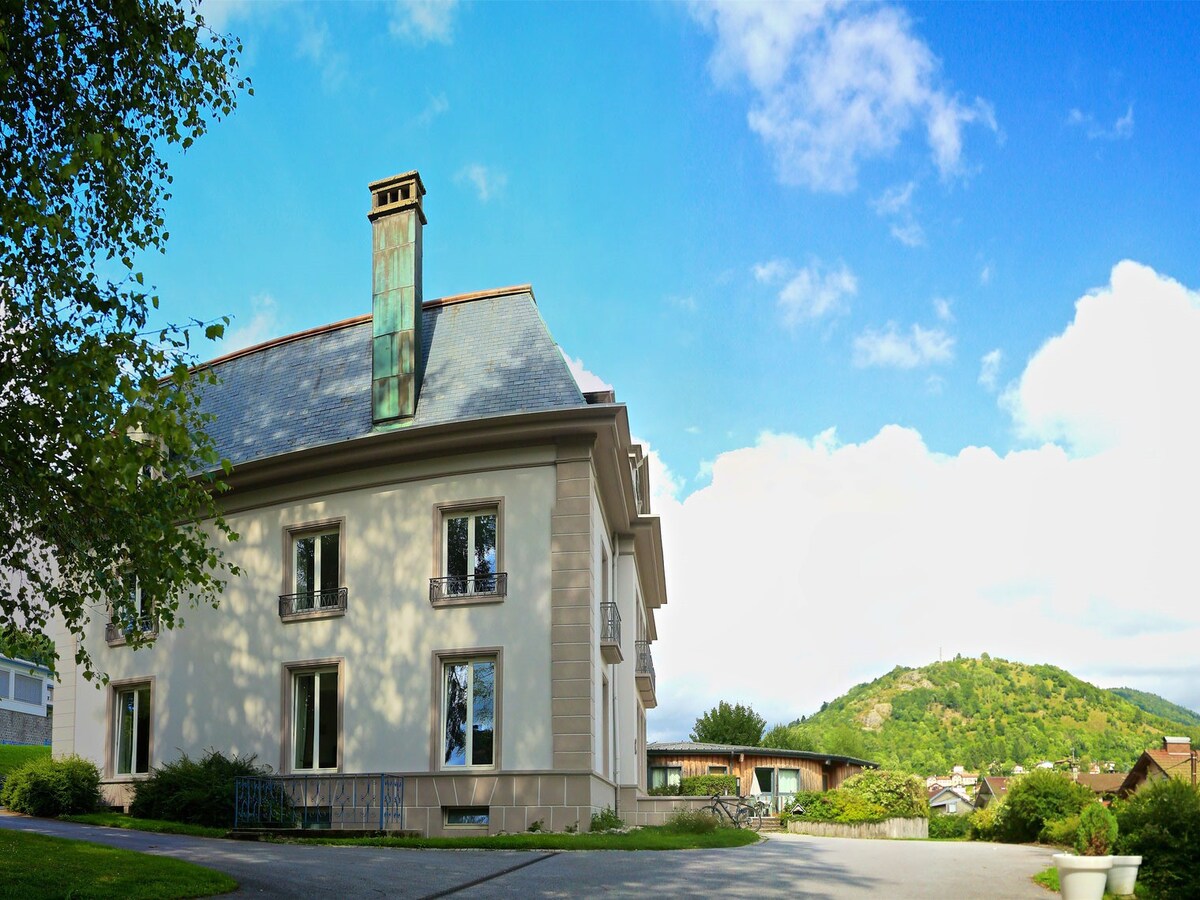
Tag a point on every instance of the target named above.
point(791, 865)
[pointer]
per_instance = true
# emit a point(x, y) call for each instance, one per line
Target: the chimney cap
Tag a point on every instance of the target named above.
point(396, 193)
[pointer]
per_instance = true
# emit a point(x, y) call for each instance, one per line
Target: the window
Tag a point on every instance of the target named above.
point(469, 547)
point(718, 770)
point(27, 689)
point(952, 807)
point(141, 603)
point(467, 815)
point(314, 571)
point(665, 776)
point(3, 684)
point(131, 727)
point(789, 781)
point(468, 712)
point(315, 727)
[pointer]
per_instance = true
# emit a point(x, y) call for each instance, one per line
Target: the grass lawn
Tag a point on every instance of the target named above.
point(641, 839)
point(157, 826)
point(13, 757)
point(34, 866)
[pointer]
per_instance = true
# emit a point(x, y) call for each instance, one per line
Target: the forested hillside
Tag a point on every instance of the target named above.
point(1157, 706)
point(986, 714)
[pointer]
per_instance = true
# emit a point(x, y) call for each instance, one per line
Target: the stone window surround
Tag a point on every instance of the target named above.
point(110, 717)
point(287, 695)
point(440, 512)
point(299, 530)
point(437, 697)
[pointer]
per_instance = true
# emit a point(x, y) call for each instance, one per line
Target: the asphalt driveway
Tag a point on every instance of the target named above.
point(783, 865)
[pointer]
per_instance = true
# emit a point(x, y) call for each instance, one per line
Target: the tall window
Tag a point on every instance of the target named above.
point(662, 777)
point(316, 569)
point(469, 551)
point(132, 730)
point(315, 719)
point(469, 712)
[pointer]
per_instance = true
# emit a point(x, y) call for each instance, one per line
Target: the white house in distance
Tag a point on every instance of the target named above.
point(450, 569)
point(26, 702)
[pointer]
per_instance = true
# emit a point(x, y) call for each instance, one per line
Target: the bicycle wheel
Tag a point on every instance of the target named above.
point(711, 810)
point(743, 818)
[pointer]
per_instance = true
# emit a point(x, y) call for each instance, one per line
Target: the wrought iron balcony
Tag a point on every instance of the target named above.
point(644, 674)
point(610, 633)
point(116, 633)
point(312, 604)
point(468, 587)
point(368, 802)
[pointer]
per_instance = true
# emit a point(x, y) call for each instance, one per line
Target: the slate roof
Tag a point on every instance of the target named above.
point(487, 356)
point(699, 749)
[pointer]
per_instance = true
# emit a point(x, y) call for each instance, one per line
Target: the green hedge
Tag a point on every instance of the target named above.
point(53, 787)
point(1037, 798)
point(707, 785)
point(1161, 824)
point(985, 823)
point(1060, 831)
point(898, 794)
point(198, 792)
point(946, 826)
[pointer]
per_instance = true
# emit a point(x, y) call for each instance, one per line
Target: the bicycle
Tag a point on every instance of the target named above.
point(740, 813)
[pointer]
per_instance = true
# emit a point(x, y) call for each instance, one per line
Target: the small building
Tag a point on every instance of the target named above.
point(991, 788)
point(1175, 759)
point(767, 773)
point(26, 702)
point(950, 801)
point(959, 777)
point(1103, 784)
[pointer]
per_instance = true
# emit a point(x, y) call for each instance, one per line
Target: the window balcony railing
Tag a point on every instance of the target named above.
point(644, 674)
point(368, 802)
point(313, 604)
point(610, 633)
point(468, 587)
point(116, 633)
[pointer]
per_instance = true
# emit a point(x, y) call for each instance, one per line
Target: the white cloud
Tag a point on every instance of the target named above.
point(424, 21)
point(909, 233)
point(587, 381)
point(810, 292)
point(837, 84)
point(488, 182)
point(985, 275)
point(314, 45)
point(989, 368)
point(263, 324)
point(437, 105)
point(942, 309)
point(1122, 128)
point(1040, 555)
point(891, 348)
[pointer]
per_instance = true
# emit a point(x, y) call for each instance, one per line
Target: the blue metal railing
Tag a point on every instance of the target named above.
point(370, 802)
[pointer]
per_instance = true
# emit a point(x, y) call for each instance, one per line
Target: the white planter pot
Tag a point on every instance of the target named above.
point(1123, 875)
point(1082, 877)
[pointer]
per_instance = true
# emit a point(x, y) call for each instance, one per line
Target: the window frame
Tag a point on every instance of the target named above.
point(442, 512)
point(437, 707)
point(667, 782)
point(111, 746)
point(116, 636)
point(449, 811)
point(287, 749)
point(316, 528)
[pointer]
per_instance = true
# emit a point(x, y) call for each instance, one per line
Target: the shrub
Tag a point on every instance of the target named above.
point(53, 787)
point(841, 806)
point(984, 824)
point(198, 792)
point(606, 820)
point(1161, 823)
point(949, 826)
point(1038, 798)
point(691, 821)
point(1097, 831)
point(664, 790)
point(1060, 831)
point(707, 785)
point(896, 793)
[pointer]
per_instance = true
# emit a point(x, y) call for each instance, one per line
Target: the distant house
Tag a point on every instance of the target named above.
point(950, 801)
point(1103, 784)
point(991, 788)
point(26, 702)
point(768, 773)
point(958, 778)
point(1176, 759)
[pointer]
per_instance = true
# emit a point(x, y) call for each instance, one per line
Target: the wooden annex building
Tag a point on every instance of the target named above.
point(768, 773)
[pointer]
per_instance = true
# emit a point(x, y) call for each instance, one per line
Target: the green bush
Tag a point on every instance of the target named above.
point(1060, 831)
point(840, 806)
point(984, 824)
point(949, 826)
point(898, 794)
point(198, 792)
point(1038, 798)
point(53, 787)
point(1097, 831)
point(607, 820)
point(691, 821)
point(664, 790)
point(1161, 824)
point(707, 785)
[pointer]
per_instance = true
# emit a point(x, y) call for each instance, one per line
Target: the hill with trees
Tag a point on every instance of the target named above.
point(986, 714)
point(1157, 706)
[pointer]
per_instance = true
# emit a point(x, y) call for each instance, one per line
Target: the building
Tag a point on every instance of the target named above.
point(1175, 759)
point(26, 702)
point(768, 773)
point(959, 777)
point(950, 801)
point(1104, 785)
point(449, 576)
point(991, 788)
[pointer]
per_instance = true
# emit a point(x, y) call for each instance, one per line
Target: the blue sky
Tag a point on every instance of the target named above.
point(760, 223)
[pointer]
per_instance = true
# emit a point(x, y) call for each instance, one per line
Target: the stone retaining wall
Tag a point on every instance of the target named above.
point(890, 828)
point(23, 728)
point(657, 810)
